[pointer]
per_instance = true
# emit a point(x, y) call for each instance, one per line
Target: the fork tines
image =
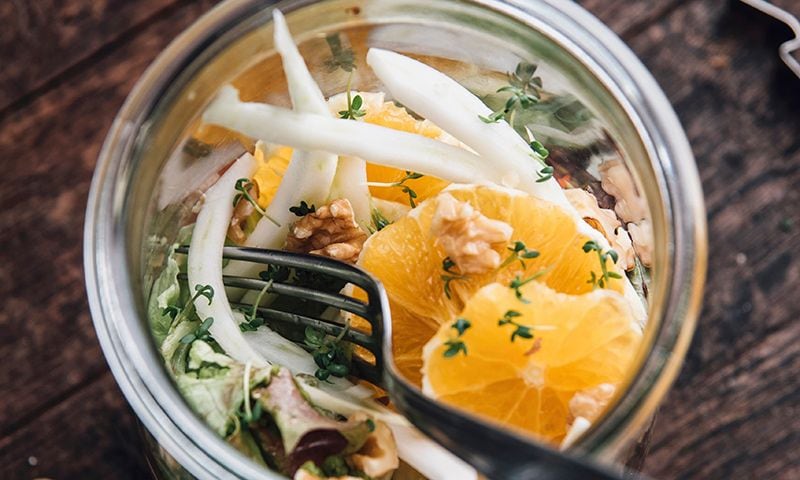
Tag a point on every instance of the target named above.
point(371, 310)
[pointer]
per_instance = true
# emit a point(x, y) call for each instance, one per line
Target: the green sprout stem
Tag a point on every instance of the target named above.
point(518, 282)
point(243, 186)
point(412, 195)
point(605, 276)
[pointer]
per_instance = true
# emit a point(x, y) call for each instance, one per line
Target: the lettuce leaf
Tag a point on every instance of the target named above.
point(166, 291)
point(213, 385)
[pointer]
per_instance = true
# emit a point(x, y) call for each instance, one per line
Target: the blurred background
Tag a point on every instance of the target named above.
point(67, 65)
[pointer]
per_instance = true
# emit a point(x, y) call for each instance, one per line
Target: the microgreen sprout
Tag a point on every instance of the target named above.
point(525, 90)
point(330, 354)
point(518, 282)
point(518, 252)
point(456, 345)
point(539, 149)
point(354, 110)
point(341, 57)
point(252, 320)
point(379, 221)
point(246, 413)
point(243, 186)
point(605, 277)
point(447, 265)
point(303, 209)
point(179, 314)
point(275, 273)
point(521, 331)
point(200, 334)
point(412, 195)
point(545, 174)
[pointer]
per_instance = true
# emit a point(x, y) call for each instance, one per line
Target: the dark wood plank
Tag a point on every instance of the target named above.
point(49, 150)
point(740, 421)
point(730, 414)
point(41, 39)
point(628, 17)
point(88, 435)
point(733, 412)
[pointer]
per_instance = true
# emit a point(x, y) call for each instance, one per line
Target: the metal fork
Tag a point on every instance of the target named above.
point(495, 452)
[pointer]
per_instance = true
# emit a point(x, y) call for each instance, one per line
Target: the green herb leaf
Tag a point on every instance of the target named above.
point(602, 280)
point(545, 174)
point(341, 57)
point(379, 221)
point(518, 282)
point(519, 251)
point(303, 209)
point(521, 331)
point(354, 110)
point(461, 325)
point(447, 265)
point(332, 355)
point(525, 90)
point(406, 189)
point(243, 187)
point(203, 291)
point(539, 149)
point(454, 347)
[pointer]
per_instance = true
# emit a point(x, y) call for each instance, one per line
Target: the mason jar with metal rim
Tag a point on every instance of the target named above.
point(147, 177)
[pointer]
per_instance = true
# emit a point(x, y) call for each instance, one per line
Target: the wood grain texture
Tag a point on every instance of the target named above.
point(42, 39)
point(48, 159)
point(88, 435)
point(734, 410)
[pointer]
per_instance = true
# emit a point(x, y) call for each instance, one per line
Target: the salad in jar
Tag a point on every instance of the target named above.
point(516, 284)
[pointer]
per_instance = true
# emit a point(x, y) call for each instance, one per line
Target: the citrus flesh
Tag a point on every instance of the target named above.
point(579, 342)
point(397, 118)
point(406, 258)
point(273, 162)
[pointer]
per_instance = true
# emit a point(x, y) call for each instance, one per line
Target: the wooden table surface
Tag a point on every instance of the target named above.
point(67, 65)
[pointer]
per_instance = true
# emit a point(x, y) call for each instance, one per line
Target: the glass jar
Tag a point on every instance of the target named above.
point(147, 177)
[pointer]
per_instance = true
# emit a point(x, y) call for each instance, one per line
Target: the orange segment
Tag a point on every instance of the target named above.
point(406, 258)
point(583, 341)
point(272, 164)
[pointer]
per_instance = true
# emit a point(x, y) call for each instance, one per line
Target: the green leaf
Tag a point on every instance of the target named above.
point(454, 347)
point(295, 416)
point(303, 209)
point(164, 301)
point(461, 325)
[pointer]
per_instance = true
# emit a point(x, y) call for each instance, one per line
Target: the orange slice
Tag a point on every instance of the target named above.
point(406, 258)
point(579, 342)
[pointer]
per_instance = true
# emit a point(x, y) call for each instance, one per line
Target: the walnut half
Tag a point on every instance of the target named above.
point(469, 238)
point(330, 231)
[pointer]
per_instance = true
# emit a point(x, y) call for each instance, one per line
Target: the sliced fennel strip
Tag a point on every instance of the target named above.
point(374, 143)
point(310, 173)
point(456, 110)
point(204, 264)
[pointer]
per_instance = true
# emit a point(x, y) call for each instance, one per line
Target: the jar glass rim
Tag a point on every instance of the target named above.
point(111, 288)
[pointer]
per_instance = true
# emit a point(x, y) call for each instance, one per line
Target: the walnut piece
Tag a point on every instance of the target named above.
point(604, 221)
point(642, 236)
point(590, 403)
point(469, 238)
point(378, 456)
point(241, 211)
point(330, 231)
point(617, 181)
